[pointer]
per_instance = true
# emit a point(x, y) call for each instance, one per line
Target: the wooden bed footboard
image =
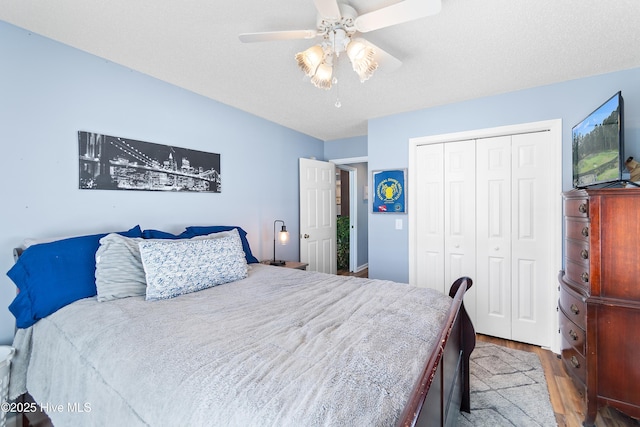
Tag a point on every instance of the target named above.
point(443, 388)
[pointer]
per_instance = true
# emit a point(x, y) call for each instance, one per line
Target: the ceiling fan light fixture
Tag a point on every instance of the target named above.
point(323, 77)
point(310, 60)
point(362, 57)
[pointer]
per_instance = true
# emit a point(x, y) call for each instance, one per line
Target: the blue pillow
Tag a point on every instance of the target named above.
point(157, 234)
point(204, 230)
point(52, 275)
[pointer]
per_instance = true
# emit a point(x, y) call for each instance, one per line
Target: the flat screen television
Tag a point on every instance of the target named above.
point(598, 144)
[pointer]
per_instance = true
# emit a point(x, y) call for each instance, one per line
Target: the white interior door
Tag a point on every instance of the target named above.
point(531, 226)
point(318, 215)
point(493, 228)
point(430, 217)
point(460, 216)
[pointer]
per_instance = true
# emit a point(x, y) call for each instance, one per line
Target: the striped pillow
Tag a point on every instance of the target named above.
point(119, 272)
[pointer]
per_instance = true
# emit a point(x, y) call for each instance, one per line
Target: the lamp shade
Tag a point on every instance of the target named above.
point(283, 236)
point(322, 78)
point(362, 58)
point(310, 59)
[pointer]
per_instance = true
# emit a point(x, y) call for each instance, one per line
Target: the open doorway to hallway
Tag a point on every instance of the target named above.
point(352, 221)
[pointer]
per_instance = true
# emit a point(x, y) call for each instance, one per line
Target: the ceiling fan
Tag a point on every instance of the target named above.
point(339, 25)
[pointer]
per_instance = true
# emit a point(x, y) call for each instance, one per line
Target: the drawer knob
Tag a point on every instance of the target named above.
point(573, 335)
point(585, 277)
point(582, 208)
point(584, 254)
point(585, 231)
point(574, 362)
point(574, 309)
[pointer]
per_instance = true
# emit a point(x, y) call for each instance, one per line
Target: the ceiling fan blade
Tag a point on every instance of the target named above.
point(405, 11)
point(277, 35)
point(387, 63)
point(328, 9)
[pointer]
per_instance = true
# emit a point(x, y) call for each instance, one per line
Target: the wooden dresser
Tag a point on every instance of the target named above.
point(600, 298)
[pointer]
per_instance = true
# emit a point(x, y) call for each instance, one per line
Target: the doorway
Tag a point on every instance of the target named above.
point(346, 246)
point(351, 212)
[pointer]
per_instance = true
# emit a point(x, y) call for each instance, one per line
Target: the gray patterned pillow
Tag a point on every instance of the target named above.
point(176, 267)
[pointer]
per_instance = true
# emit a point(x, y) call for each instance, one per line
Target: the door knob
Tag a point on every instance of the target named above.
point(306, 236)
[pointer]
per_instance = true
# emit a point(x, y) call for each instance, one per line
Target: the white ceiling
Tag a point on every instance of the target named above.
point(472, 48)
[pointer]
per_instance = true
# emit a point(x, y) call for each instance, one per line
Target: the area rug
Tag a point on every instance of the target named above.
point(508, 388)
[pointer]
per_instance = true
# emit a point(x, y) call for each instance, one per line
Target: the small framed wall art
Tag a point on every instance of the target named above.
point(389, 191)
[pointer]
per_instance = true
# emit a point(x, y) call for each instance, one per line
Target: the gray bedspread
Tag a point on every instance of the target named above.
point(281, 348)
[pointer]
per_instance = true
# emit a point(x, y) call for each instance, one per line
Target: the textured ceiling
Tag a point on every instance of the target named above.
point(472, 48)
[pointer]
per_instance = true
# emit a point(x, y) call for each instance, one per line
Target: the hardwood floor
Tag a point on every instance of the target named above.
point(361, 273)
point(566, 402)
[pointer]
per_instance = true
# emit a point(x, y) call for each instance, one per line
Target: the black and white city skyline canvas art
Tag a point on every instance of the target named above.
point(116, 163)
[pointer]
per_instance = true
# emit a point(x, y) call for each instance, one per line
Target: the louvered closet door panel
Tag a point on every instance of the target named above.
point(430, 217)
point(493, 233)
point(459, 216)
point(532, 223)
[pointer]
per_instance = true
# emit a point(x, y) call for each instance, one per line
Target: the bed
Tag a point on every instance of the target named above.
point(272, 346)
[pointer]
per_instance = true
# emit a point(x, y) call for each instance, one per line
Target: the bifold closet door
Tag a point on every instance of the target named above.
point(430, 217)
point(531, 231)
point(493, 234)
point(513, 227)
point(445, 211)
point(460, 216)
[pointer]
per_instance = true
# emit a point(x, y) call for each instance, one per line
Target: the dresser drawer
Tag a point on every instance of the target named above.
point(577, 228)
point(575, 363)
point(578, 252)
point(578, 208)
point(577, 273)
point(573, 307)
point(572, 333)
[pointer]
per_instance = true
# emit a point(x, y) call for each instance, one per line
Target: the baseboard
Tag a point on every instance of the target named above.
point(362, 267)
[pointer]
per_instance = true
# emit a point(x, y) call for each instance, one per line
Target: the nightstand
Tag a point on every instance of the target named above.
point(290, 264)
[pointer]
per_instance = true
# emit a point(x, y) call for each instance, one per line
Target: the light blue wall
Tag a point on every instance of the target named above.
point(570, 101)
point(346, 148)
point(49, 91)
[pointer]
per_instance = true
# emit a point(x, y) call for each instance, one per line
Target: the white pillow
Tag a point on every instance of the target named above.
point(177, 267)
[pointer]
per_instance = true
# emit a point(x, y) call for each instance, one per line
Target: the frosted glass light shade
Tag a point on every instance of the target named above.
point(283, 236)
point(310, 59)
point(362, 57)
point(322, 78)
